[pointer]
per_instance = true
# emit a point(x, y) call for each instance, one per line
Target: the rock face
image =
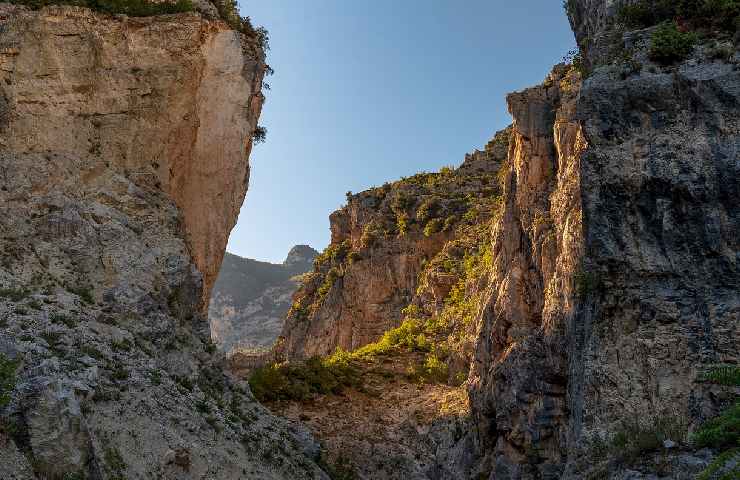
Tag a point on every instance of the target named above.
point(615, 280)
point(380, 245)
point(117, 136)
point(177, 114)
point(251, 299)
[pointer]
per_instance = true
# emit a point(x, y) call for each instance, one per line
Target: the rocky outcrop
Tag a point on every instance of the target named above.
point(615, 279)
point(519, 377)
point(381, 243)
point(123, 161)
point(170, 102)
point(251, 299)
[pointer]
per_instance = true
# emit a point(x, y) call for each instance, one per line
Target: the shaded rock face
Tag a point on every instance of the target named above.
point(176, 115)
point(109, 127)
point(380, 244)
point(251, 299)
point(615, 275)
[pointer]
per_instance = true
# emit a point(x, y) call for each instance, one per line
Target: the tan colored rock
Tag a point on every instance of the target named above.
point(168, 101)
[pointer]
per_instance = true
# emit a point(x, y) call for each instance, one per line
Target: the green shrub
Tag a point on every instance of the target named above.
point(634, 437)
point(61, 318)
point(669, 44)
point(408, 335)
point(329, 281)
point(14, 294)
point(259, 135)
point(402, 223)
point(428, 209)
point(7, 379)
point(85, 294)
point(300, 381)
point(435, 369)
point(433, 226)
point(718, 463)
point(728, 375)
point(586, 283)
point(720, 432)
point(719, 14)
point(133, 8)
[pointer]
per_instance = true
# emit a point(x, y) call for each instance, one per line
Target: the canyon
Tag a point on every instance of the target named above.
point(562, 305)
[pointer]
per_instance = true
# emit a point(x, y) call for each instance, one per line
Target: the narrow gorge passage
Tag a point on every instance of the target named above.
point(560, 303)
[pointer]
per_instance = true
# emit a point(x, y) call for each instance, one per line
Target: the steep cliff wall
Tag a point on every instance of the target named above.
point(171, 103)
point(382, 243)
point(519, 377)
point(123, 162)
point(615, 279)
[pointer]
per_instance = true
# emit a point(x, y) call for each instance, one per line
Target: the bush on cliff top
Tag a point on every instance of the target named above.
point(669, 44)
point(718, 14)
point(132, 8)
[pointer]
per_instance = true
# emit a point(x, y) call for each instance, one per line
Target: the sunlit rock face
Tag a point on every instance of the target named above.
point(175, 115)
point(123, 162)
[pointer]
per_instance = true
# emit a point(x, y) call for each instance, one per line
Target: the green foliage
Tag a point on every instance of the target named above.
point(720, 432)
point(340, 470)
point(575, 59)
point(728, 375)
point(669, 44)
point(715, 14)
point(371, 234)
point(435, 369)
point(14, 294)
point(61, 318)
point(114, 462)
point(433, 226)
point(402, 223)
point(334, 254)
point(718, 463)
point(85, 294)
point(301, 381)
point(409, 335)
point(634, 438)
point(329, 281)
point(132, 8)
point(7, 379)
point(428, 209)
point(586, 283)
point(259, 135)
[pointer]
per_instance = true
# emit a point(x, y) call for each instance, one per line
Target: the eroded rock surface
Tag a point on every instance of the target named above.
point(169, 101)
point(123, 161)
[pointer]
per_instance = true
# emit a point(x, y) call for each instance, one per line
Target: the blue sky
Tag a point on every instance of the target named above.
point(369, 91)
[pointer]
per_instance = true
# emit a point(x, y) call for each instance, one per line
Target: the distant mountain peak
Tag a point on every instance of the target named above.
point(300, 255)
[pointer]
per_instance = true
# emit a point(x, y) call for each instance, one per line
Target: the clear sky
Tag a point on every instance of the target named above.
point(368, 91)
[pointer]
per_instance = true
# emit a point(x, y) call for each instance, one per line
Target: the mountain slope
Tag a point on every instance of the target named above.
point(251, 299)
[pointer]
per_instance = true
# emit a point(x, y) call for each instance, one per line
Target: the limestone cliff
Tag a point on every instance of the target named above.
point(170, 102)
point(123, 163)
point(381, 243)
point(615, 280)
point(251, 299)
